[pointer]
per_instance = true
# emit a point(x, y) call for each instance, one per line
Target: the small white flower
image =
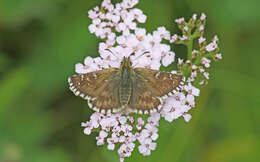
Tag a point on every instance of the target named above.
point(140, 33)
point(180, 20)
point(172, 109)
point(183, 38)
point(201, 28)
point(100, 141)
point(95, 119)
point(103, 134)
point(186, 28)
point(192, 90)
point(100, 63)
point(92, 14)
point(122, 139)
point(194, 17)
point(116, 131)
point(138, 15)
point(168, 58)
point(201, 40)
point(174, 38)
point(211, 47)
point(163, 33)
point(87, 131)
point(154, 118)
point(88, 67)
point(206, 75)
point(194, 52)
point(194, 67)
point(205, 62)
point(132, 42)
point(187, 117)
point(107, 123)
point(202, 17)
point(151, 130)
point(131, 119)
point(142, 18)
point(155, 64)
point(121, 26)
point(146, 147)
point(190, 100)
point(218, 56)
point(111, 143)
point(126, 129)
point(180, 61)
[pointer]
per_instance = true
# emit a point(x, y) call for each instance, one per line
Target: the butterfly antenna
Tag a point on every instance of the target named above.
point(141, 55)
point(111, 52)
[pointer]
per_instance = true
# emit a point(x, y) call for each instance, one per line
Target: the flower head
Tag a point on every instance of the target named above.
point(117, 25)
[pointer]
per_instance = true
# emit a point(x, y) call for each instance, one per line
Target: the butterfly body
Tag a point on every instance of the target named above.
point(125, 87)
point(138, 90)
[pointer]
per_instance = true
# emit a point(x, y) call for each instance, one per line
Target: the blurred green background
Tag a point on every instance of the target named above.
point(40, 42)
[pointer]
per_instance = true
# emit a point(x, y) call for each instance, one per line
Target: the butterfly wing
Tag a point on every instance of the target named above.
point(100, 88)
point(162, 84)
point(142, 100)
point(150, 87)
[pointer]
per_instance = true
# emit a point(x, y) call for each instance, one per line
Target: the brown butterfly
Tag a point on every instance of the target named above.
point(113, 90)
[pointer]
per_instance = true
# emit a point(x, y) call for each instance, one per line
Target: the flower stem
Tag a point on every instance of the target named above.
point(189, 46)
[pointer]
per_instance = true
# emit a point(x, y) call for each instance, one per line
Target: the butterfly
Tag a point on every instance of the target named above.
point(136, 90)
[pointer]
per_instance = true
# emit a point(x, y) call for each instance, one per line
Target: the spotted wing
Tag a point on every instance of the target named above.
point(100, 88)
point(142, 100)
point(150, 87)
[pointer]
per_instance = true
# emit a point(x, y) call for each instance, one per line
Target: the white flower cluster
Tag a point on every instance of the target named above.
point(201, 58)
point(117, 26)
point(125, 131)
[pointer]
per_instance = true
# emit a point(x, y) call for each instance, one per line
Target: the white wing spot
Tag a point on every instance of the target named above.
point(134, 111)
point(94, 75)
point(77, 93)
point(96, 109)
point(171, 77)
point(140, 112)
point(157, 75)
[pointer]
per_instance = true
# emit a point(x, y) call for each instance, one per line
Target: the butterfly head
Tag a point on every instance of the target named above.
point(126, 63)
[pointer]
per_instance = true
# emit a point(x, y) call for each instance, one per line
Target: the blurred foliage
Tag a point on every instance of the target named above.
point(40, 41)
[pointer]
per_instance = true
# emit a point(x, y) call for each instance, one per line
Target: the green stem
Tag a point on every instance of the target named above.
point(189, 46)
